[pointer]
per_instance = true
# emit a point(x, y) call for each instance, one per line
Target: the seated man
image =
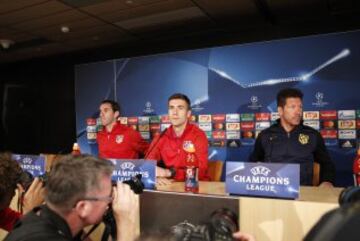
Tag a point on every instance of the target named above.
point(78, 192)
point(10, 172)
point(289, 141)
point(116, 140)
point(169, 146)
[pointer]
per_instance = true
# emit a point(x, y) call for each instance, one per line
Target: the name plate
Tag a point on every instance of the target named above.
point(276, 180)
point(33, 164)
point(125, 169)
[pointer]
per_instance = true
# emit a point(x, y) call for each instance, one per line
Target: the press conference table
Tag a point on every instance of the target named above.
point(269, 219)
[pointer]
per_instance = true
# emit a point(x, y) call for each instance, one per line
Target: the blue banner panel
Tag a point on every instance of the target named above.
point(234, 84)
point(274, 180)
point(33, 164)
point(125, 169)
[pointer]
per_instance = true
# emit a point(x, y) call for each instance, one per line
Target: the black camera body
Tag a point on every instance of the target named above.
point(26, 178)
point(222, 224)
point(137, 186)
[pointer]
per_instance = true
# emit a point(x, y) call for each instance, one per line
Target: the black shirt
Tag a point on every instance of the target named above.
point(41, 224)
point(303, 145)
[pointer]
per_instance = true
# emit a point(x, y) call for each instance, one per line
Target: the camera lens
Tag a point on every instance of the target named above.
point(224, 221)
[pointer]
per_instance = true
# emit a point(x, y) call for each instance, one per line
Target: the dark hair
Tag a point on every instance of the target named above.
point(287, 93)
point(181, 97)
point(72, 177)
point(114, 105)
point(10, 171)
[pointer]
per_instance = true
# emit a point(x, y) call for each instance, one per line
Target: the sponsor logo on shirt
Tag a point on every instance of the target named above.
point(303, 139)
point(119, 139)
point(188, 146)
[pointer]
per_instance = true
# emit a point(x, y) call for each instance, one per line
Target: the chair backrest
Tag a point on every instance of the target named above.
point(316, 174)
point(215, 170)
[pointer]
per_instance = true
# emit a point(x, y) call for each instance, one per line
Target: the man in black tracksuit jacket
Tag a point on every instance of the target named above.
point(289, 141)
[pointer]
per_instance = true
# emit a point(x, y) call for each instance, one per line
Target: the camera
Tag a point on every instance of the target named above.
point(137, 186)
point(26, 178)
point(221, 225)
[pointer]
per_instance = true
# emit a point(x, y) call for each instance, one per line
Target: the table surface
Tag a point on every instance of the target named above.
point(307, 193)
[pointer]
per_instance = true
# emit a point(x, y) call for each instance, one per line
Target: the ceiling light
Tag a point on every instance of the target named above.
point(5, 43)
point(65, 29)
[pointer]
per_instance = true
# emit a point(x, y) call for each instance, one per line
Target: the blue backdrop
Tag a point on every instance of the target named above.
point(230, 79)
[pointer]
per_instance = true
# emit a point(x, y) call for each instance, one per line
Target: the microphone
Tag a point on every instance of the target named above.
point(156, 142)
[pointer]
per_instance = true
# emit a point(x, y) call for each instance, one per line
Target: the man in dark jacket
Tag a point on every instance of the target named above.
point(78, 192)
point(289, 141)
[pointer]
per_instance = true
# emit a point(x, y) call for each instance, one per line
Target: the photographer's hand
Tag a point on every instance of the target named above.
point(241, 236)
point(34, 196)
point(126, 209)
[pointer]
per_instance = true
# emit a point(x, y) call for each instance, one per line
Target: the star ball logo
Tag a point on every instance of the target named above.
point(127, 165)
point(254, 103)
point(148, 109)
point(319, 96)
point(260, 170)
point(197, 106)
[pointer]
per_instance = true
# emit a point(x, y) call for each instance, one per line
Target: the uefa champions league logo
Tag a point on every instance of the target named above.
point(148, 109)
point(319, 96)
point(196, 107)
point(254, 103)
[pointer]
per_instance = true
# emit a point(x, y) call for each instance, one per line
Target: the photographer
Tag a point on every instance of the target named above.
point(77, 193)
point(10, 172)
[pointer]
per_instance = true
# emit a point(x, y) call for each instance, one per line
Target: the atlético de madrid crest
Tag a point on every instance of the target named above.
point(303, 139)
point(119, 139)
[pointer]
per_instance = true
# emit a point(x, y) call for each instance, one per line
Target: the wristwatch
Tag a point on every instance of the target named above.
point(172, 172)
